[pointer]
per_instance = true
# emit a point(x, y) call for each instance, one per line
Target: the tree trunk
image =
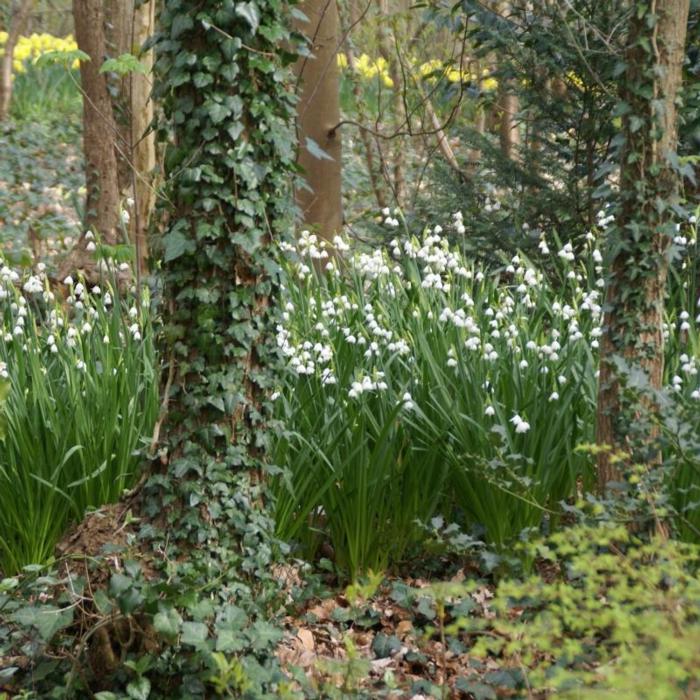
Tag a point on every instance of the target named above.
point(395, 174)
point(318, 112)
point(142, 140)
point(18, 20)
point(99, 128)
point(474, 154)
point(354, 18)
point(119, 39)
point(633, 324)
point(507, 104)
point(509, 135)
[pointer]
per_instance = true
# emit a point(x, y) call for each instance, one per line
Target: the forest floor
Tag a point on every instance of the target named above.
point(393, 640)
point(41, 175)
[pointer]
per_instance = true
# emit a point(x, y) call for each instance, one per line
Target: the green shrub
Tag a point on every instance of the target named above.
point(619, 618)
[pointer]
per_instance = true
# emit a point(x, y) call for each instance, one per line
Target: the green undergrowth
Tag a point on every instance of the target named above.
point(613, 616)
point(47, 94)
point(41, 181)
point(599, 612)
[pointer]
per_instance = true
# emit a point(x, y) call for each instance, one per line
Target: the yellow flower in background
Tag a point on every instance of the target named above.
point(370, 68)
point(430, 68)
point(456, 76)
point(575, 80)
point(29, 48)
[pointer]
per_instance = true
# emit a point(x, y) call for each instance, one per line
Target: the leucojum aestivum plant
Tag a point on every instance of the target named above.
point(78, 396)
point(419, 382)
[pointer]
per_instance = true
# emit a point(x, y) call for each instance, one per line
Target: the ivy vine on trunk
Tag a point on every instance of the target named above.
point(633, 337)
point(223, 85)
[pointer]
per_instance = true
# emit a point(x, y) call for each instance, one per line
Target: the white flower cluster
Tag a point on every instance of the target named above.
point(55, 328)
point(367, 384)
point(375, 314)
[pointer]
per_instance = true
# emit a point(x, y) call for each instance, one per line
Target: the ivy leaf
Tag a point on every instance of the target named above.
point(425, 608)
point(176, 244)
point(194, 633)
point(296, 13)
point(385, 646)
point(181, 23)
point(263, 634)
point(50, 619)
point(102, 602)
point(139, 689)
point(249, 11)
point(480, 691)
point(167, 623)
point(229, 641)
point(217, 113)
point(316, 151)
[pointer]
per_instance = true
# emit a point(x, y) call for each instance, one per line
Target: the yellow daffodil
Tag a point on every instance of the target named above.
point(29, 48)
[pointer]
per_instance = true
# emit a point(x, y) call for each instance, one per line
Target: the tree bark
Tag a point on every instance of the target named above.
point(119, 39)
point(99, 128)
point(18, 21)
point(508, 130)
point(142, 140)
point(649, 185)
point(376, 182)
point(507, 105)
point(395, 175)
point(318, 112)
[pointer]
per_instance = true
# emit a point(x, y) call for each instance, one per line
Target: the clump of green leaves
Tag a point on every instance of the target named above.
point(610, 615)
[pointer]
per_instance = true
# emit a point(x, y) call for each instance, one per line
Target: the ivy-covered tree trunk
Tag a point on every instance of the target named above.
point(227, 118)
point(649, 184)
point(318, 112)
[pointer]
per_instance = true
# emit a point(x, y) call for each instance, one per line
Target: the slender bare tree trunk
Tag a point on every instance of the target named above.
point(119, 31)
point(375, 181)
point(633, 324)
point(18, 20)
point(474, 154)
point(127, 28)
point(142, 140)
point(396, 176)
point(318, 113)
point(508, 129)
point(443, 142)
point(507, 106)
point(99, 128)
